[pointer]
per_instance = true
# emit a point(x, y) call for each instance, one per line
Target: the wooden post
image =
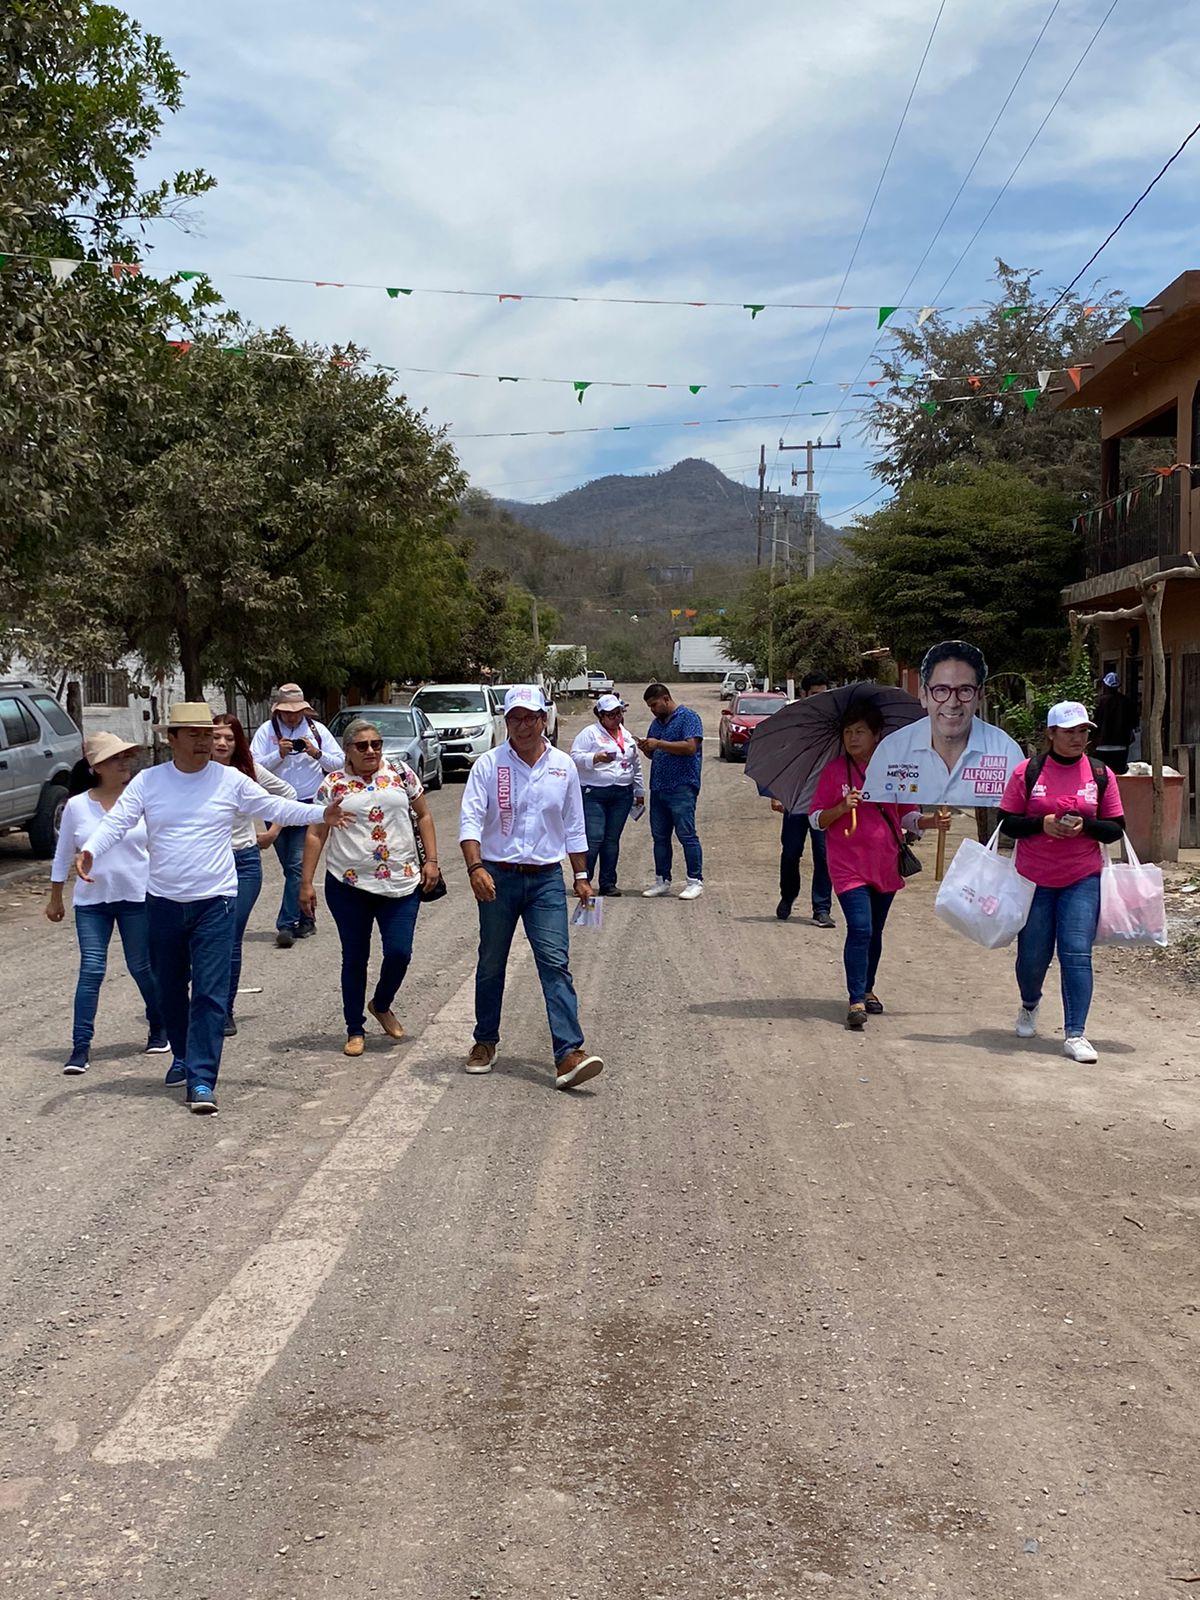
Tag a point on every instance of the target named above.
point(939, 870)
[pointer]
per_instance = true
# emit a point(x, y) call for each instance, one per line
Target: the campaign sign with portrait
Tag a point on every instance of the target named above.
point(949, 757)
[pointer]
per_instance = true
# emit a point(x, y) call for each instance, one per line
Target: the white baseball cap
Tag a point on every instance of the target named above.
point(1069, 714)
point(611, 702)
point(1111, 681)
point(524, 697)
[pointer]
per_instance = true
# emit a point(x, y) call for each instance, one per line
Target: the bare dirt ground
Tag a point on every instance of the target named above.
point(768, 1310)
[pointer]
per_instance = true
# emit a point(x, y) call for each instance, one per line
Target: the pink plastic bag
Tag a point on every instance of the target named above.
point(1133, 908)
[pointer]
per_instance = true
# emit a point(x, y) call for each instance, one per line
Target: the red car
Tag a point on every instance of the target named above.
point(739, 721)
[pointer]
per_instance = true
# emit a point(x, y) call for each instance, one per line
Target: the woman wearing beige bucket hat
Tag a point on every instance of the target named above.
point(116, 898)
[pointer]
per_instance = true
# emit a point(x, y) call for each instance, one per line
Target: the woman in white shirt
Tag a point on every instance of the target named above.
point(372, 874)
point(115, 898)
point(231, 748)
point(610, 773)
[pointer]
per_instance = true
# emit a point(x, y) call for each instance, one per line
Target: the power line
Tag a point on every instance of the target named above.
point(1162, 171)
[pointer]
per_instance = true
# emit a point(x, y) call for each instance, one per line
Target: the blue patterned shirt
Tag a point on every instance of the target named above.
point(676, 772)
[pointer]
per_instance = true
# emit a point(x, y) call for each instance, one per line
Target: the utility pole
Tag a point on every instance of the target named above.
point(812, 500)
point(762, 479)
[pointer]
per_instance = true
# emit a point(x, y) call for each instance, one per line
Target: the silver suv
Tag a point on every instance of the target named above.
point(39, 744)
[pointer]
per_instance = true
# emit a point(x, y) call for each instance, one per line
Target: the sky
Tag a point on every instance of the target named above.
point(702, 151)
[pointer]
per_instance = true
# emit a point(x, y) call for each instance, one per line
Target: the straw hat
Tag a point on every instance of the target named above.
point(290, 697)
point(98, 747)
point(186, 714)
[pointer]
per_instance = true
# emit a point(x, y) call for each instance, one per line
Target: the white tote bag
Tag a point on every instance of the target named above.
point(983, 895)
point(1133, 908)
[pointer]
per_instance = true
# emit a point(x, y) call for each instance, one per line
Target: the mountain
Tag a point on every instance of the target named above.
point(689, 511)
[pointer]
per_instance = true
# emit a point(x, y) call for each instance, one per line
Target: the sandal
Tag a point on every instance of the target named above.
point(856, 1017)
point(874, 1005)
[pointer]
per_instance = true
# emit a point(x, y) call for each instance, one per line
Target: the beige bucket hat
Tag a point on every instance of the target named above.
point(98, 747)
point(290, 697)
point(186, 714)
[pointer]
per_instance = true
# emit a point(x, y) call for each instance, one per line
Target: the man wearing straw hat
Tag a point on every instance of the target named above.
point(297, 748)
point(189, 805)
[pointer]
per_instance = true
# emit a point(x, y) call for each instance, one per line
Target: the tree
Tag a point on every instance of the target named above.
point(284, 508)
point(83, 91)
point(793, 628)
point(1057, 450)
point(564, 664)
point(971, 552)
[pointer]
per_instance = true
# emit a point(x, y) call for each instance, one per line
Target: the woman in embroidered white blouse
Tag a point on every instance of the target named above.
point(372, 874)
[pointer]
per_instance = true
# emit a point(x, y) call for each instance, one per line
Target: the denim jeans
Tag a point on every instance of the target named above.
point(606, 810)
point(1065, 918)
point(93, 928)
point(796, 830)
point(866, 911)
point(675, 810)
point(191, 943)
point(539, 901)
point(355, 912)
point(250, 877)
point(289, 847)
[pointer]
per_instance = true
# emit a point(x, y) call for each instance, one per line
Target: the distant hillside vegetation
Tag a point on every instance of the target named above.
point(689, 510)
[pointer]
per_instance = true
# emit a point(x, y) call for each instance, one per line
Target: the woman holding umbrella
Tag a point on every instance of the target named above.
point(863, 844)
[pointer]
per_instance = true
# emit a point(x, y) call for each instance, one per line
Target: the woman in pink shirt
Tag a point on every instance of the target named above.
point(862, 842)
point(1060, 808)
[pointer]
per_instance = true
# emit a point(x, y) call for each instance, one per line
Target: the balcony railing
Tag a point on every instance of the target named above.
point(1141, 526)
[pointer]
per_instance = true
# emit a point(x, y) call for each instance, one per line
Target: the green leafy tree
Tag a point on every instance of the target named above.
point(799, 627)
point(920, 428)
point(971, 552)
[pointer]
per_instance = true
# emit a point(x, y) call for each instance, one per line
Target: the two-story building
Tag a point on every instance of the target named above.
point(1145, 382)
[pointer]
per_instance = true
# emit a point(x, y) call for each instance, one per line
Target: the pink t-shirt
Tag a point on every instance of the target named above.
point(869, 855)
point(1058, 863)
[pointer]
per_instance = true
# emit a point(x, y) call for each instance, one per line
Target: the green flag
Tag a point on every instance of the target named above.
point(695, 388)
point(233, 349)
point(1135, 316)
point(1009, 379)
point(624, 428)
point(580, 388)
point(806, 383)
point(753, 310)
point(1030, 397)
point(188, 276)
point(884, 313)
point(392, 293)
point(929, 405)
point(507, 380)
point(1010, 312)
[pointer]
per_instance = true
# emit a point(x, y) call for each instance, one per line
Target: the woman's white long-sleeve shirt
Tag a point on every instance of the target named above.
point(245, 834)
point(624, 772)
point(123, 873)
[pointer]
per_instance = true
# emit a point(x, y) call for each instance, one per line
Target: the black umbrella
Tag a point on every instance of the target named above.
point(789, 751)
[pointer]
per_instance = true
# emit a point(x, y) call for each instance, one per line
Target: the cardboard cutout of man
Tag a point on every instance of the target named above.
point(950, 757)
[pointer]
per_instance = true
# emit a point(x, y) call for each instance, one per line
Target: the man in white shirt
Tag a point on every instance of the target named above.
point(300, 750)
point(522, 811)
point(189, 805)
point(950, 757)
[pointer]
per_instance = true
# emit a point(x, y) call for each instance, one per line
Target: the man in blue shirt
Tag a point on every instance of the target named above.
point(673, 746)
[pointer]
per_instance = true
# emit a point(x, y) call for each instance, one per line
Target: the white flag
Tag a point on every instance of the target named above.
point(924, 315)
point(61, 270)
point(1043, 378)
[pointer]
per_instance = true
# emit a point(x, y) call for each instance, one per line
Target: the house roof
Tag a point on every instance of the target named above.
point(1172, 329)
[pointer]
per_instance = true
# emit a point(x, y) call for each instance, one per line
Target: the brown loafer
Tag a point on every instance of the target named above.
point(576, 1068)
point(387, 1020)
point(481, 1058)
point(354, 1045)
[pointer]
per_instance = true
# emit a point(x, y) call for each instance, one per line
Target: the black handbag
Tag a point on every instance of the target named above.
point(439, 889)
point(908, 861)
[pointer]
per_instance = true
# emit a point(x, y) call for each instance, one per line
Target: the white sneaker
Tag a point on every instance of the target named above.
point(661, 886)
point(693, 891)
point(1027, 1022)
point(1079, 1050)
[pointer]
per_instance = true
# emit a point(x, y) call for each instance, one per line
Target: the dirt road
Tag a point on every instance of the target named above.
point(768, 1310)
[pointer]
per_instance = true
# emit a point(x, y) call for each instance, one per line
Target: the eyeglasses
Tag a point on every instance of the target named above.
point(522, 719)
point(368, 744)
point(941, 692)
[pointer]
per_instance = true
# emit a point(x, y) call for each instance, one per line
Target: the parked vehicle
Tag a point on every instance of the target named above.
point(39, 744)
point(702, 656)
point(467, 719)
point(739, 721)
point(735, 683)
point(408, 736)
point(598, 682)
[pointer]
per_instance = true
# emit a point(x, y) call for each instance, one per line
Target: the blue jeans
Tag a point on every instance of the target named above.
point(796, 830)
point(289, 847)
point(250, 878)
point(606, 810)
point(1065, 918)
point(866, 911)
point(191, 945)
point(355, 912)
point(539, 901)
point(675, 809)
point(93, 928)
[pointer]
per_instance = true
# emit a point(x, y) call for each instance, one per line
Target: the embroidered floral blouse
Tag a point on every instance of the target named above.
point(378, 851)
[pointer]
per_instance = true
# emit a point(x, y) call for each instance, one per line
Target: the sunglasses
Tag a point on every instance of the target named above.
point(368, 744)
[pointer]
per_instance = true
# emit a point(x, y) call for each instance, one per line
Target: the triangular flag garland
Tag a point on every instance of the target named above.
point(1010, 312)
point(1009, 379)
point(580, 390)
point(1136, 314)
point(61, 269)
point(929, 405)
point(1076, 376)
point(1043, 378)
point(1030, 396)
point(884, 313)
point(392, 293)
point(924, 314)
point(753, 310)
point(125, 269)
